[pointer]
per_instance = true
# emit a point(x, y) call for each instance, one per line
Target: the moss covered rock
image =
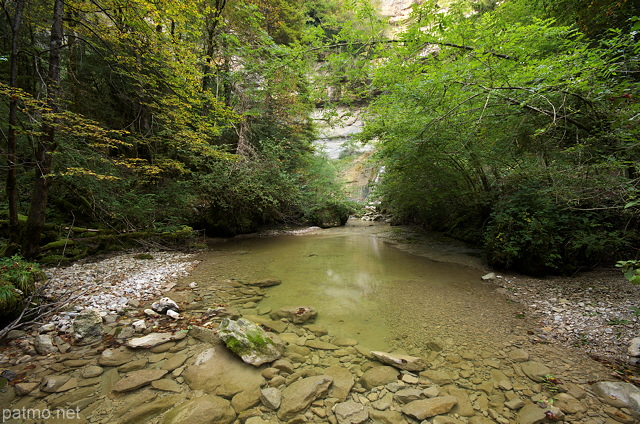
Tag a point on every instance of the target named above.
point(250, 342)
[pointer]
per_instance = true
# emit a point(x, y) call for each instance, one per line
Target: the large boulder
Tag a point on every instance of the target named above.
point(295, 314)
point(87, 327)
point(404, 362)
point(250, 342)
point(299, 395)
point(217, 371)
point(618, 394)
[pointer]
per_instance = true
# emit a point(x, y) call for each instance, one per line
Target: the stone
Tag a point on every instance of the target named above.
point(514, 404)
point(173, 314)
point(386, 417)
point(535, 370)
point(250, 342)
point(295, 314)
point(437, 377)
point(151, 313)
point(144, 412)
point(531, 414)
point(202, 410)
point(92, 371)
point(165, 304)
point(298, 396)
point(271, 397)
point(404, 362)
point(175, 361)
point(25, 388)
point(154, 339)
point(218, 371)
point(57, 383)
point(136, 379)
point(463, 407)
point(407, 395)
point(489, 276)
point(139, 326)
point(87, 327)
point(568, 404)
point(441, 419)
point(618, 394)
point(350, 412)
point(166, 385)
point(344, 341)
point(519, 355)
point(426, 408)
point(43, 343)
point(138, 364)
point(225, 312)
point(316, 329)
point(283, 365)
point(343, 381)
point(246, 400)
point(378, 376)
point(274, 325)
point(634, 347)
point(267, 282)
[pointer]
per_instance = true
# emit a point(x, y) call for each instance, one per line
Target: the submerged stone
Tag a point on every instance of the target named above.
point(249, 342)
point(404, 362)
point(295, 314)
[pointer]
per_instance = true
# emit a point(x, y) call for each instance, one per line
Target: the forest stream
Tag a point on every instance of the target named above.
point(476, 359)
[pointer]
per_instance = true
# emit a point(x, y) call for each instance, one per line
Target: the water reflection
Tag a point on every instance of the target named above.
point(366, 289)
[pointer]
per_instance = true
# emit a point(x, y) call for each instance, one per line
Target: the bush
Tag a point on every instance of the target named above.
point(17, 281)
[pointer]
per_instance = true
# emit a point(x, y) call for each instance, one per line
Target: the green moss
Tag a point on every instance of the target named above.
point(143, 256)
point(58, 244)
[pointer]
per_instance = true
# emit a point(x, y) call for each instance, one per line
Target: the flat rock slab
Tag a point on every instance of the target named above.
point(423, 409)
point(299, 395)
point(154, 339)
point(218, 371)
point(136, 379)
point(201, 410)
point(404, 362)
point(115, 357)
point(268, 282)
point(535, 370)
point(342, 382)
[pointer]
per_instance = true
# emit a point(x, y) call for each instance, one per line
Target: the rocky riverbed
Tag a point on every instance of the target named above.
point(150, 367)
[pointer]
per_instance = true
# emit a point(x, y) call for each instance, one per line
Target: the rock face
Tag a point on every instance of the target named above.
point(299, 395)
point(87, 327)
point(218, 371)
point(205, 409)
point(422, 409)
point(295, 314)
point(618, 394)
point(404, 362)
point(249, 342)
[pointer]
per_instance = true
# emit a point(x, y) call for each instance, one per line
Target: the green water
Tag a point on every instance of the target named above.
point(367, 289)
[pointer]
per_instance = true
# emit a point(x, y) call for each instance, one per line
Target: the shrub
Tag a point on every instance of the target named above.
point(17, 281)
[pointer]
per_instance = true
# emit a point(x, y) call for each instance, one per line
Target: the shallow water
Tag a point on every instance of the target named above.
point(367, 289)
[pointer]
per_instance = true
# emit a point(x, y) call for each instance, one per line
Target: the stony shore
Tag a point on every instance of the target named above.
point(157, 369)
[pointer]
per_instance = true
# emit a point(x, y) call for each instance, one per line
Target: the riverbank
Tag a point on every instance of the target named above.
point(119, 379)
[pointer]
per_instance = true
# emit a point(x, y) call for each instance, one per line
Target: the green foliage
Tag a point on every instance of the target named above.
point(631, 270)
point(18, 279)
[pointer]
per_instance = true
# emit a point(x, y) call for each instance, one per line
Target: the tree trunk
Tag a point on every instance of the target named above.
point(12, 151)
point(46, 143)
